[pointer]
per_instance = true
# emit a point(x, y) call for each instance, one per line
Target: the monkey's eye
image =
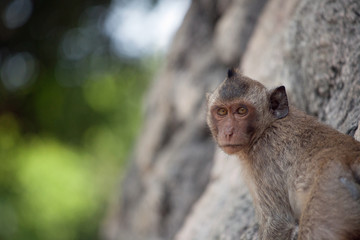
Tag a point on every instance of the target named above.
point(242, 110)
point(221, 112)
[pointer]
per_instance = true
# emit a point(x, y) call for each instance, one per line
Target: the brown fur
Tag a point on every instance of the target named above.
point(301, 173)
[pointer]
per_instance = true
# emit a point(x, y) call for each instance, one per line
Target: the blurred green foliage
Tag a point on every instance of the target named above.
point(55, 182)
point(67, 124)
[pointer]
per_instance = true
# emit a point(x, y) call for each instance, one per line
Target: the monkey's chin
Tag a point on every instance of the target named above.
point(231, 148)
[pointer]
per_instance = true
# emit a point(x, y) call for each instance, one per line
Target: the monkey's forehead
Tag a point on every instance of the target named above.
point(239, 88)
point(233, 88)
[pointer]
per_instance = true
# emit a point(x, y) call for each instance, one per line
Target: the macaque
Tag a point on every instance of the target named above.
point(304, 176)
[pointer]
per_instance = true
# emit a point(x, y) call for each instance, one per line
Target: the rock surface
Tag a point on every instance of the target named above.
point(178, 186)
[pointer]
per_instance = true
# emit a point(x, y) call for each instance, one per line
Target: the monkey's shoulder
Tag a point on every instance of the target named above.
point(307, 130)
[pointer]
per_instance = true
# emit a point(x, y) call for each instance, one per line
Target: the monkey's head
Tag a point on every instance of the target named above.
point(240, 109)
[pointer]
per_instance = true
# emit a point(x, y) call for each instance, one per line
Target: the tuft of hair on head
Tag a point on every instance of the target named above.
point(231, 72)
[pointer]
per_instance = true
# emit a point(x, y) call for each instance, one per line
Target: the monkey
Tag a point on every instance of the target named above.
point(303, 175)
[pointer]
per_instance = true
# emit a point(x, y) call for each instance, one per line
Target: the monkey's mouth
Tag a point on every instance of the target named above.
point(231, 145)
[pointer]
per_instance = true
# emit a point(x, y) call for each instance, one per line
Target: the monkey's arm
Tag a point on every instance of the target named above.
point(278, 226)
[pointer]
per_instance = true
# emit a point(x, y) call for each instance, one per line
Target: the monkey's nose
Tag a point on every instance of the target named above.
point(229, 134)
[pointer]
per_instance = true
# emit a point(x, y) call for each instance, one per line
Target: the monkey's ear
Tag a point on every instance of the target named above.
point(231, 72)
point(279, 106)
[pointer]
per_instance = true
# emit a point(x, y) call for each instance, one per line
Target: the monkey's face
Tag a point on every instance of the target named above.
point(232, 125)
point(240, 109)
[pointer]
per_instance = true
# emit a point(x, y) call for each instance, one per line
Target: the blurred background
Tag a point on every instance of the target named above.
point(73, 75)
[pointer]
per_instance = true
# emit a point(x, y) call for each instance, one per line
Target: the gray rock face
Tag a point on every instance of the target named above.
point(225, 209)
point(315, 53)
point(178, 185)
